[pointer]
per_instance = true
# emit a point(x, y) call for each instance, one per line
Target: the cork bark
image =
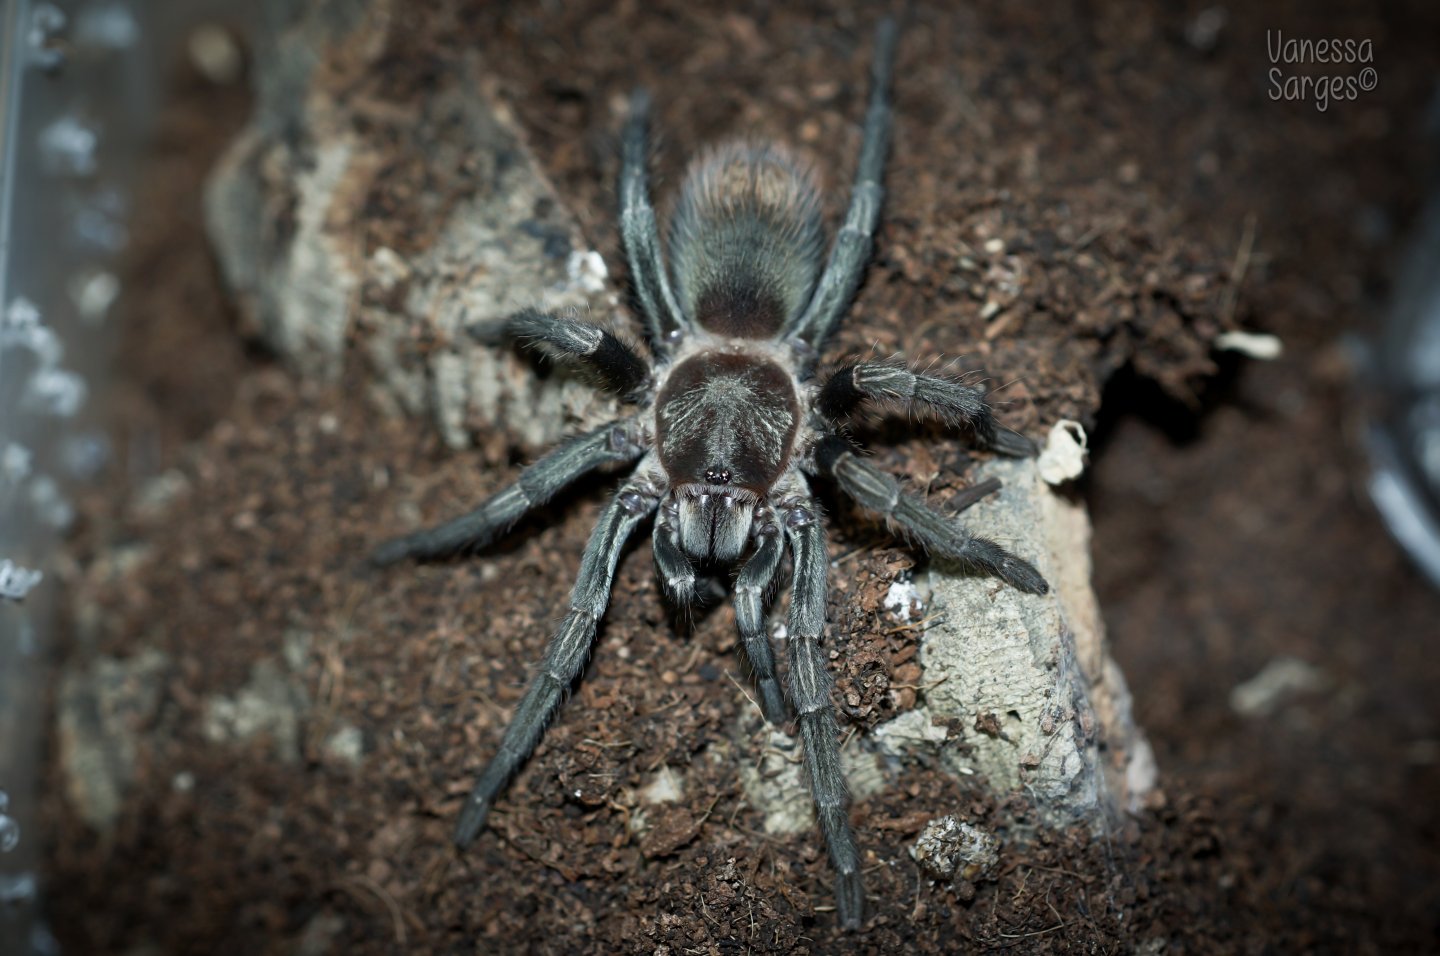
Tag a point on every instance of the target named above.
point(330, 264)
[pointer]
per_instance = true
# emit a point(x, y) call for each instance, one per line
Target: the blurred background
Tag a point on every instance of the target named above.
point(82, 86)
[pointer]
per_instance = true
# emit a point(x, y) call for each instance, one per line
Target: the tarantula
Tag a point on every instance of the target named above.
point(731, 423)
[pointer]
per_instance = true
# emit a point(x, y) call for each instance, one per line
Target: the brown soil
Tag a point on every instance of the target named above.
point(1122, 169)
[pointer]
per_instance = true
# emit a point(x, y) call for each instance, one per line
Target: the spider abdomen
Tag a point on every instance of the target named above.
point(746, 239)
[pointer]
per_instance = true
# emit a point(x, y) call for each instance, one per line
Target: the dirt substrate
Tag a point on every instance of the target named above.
point(304, 735)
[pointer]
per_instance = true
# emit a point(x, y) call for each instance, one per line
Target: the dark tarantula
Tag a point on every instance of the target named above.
point(731, 424)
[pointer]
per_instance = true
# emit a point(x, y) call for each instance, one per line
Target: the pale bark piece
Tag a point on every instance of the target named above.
point(354, 227)
point(103, 709)
point(1043, 707)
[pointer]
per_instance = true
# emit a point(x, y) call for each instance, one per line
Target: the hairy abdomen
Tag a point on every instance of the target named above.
point(746, 239)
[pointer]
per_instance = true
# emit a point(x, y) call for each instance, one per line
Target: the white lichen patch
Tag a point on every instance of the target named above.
point(346, 744)
point(667, 786)
point(586, 271)
point(1063, 458)
point(1255, 345)
point(155, 495)
point(388, 269)
point(1278, 683)
point(903, 599)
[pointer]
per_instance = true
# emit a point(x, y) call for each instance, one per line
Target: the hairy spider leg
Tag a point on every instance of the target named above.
point(568, 649)
point(937, 533)
point(815, 713)
point(750, 588)
point(851, 250)
point(614, 364)
point(954, 402)
point(614, 442)
point(641, 234)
